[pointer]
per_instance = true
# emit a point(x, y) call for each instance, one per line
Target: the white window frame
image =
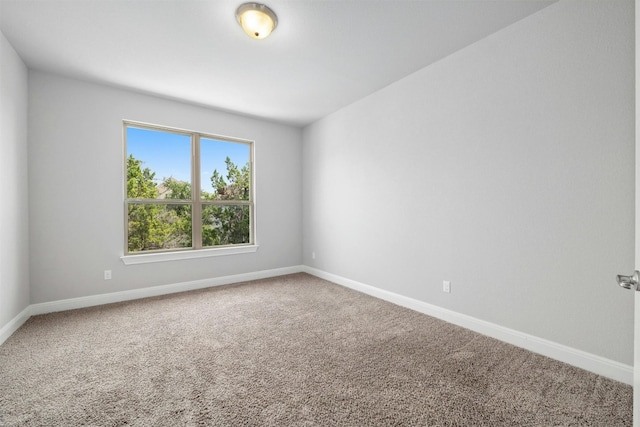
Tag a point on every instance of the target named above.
point(196, 203)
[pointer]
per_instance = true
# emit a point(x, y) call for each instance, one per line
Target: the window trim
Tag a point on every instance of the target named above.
point(196, 202)
point(176, 255)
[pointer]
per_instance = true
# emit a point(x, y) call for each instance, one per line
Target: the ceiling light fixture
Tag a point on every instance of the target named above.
point(256, 19)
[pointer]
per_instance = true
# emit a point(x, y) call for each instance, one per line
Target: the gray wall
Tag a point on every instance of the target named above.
point(14, 224)
point(506, 168)
point(76, 189)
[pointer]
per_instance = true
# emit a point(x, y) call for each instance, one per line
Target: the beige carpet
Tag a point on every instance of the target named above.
point(289, 351)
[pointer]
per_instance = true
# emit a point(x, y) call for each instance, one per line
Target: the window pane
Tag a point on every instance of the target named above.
point(157, 226)
point(225, 225)
point(224, 170)
point(158, 164)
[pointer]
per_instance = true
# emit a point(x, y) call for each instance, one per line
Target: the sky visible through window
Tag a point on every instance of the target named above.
point(169, 154)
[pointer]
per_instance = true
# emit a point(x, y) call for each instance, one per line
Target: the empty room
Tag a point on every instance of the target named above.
point(318, 213)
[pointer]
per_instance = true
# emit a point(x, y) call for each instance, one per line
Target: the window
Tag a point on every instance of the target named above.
point(186, 191)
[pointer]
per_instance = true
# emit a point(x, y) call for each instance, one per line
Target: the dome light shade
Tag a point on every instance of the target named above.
point(256, 19)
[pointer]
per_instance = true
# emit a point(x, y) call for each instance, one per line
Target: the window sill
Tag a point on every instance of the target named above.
point(191, 254)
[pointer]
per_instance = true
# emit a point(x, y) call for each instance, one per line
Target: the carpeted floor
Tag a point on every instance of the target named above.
point(288, 351)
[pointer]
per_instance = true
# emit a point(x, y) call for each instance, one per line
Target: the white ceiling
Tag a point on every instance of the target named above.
point(324, 55)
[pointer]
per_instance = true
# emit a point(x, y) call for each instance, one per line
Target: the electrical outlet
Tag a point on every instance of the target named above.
point(313, 255)
point(446, 286)
point(107, 275)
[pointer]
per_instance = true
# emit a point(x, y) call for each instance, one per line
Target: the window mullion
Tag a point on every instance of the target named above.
point(196, 210)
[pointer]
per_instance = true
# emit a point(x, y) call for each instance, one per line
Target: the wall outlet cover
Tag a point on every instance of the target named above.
point(446, 286)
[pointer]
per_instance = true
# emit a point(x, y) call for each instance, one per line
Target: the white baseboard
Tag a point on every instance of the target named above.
point(581, 359)
point(89, 301)
point(14, 324)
